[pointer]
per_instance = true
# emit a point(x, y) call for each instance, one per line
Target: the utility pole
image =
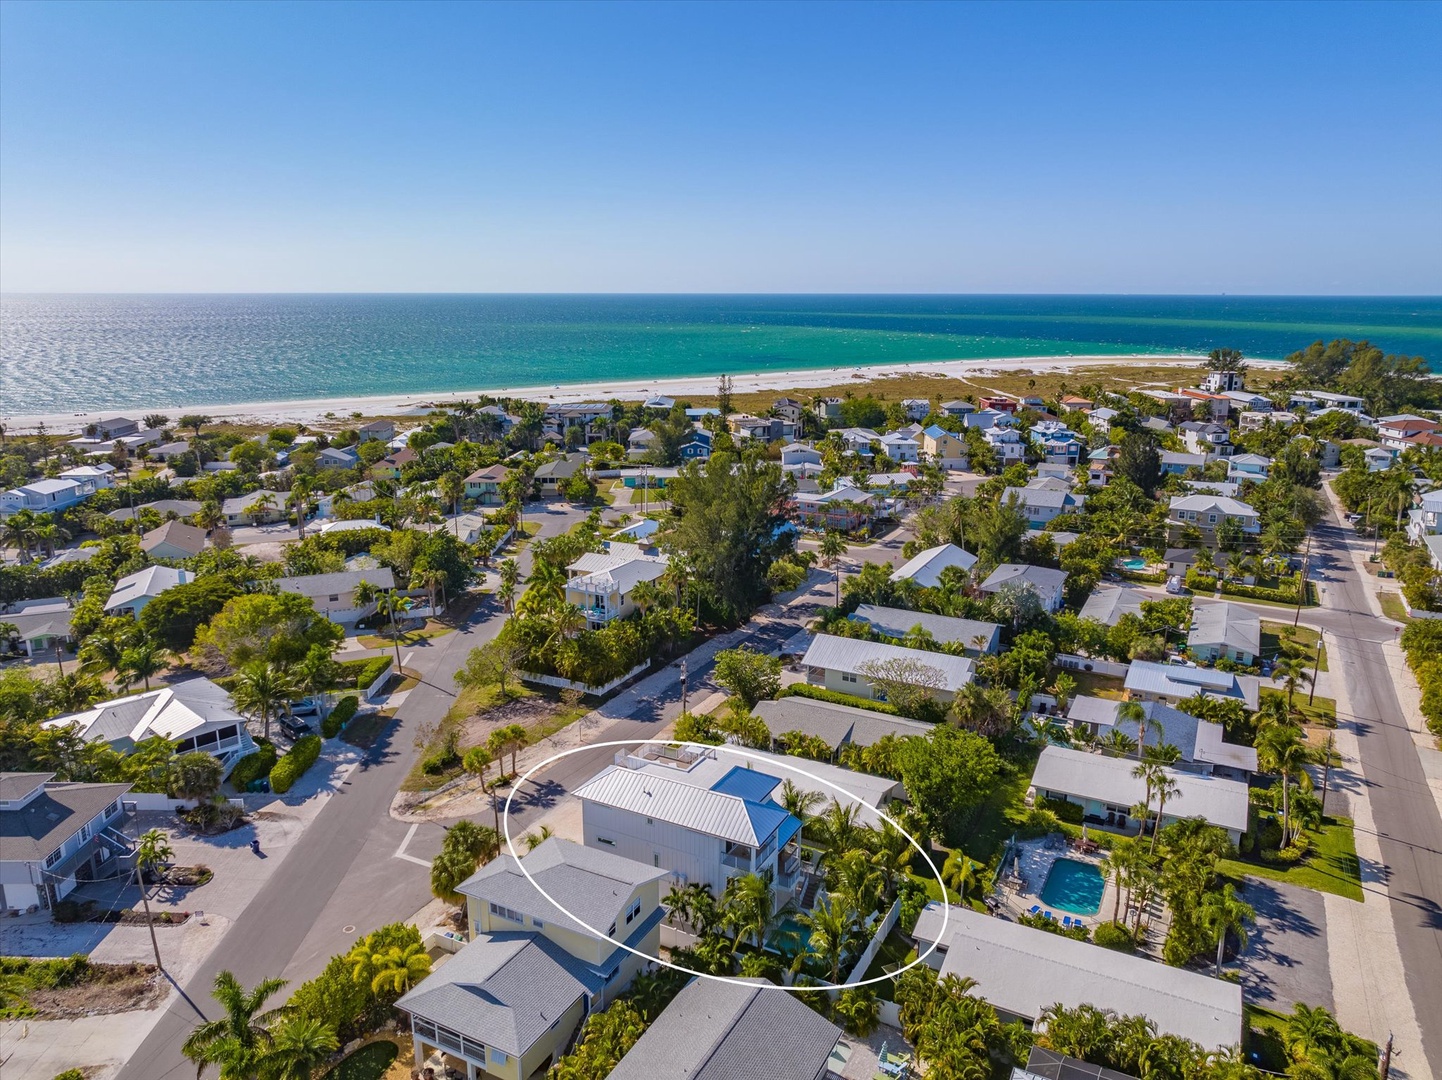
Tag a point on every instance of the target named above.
point(1302, 586)
point(683, 686)
point(1329, 749)
point(1316, 667)
point(1384, 1067)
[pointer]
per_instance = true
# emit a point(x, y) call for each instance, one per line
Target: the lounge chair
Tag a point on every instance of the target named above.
point(1048, 915)
point(1035, 909)
point(1066, 920)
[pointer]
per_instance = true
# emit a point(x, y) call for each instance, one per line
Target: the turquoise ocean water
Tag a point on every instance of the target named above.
point(83, 352)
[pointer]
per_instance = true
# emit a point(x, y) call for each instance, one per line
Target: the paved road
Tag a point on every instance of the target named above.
point(341, 880)
point(1409, 828)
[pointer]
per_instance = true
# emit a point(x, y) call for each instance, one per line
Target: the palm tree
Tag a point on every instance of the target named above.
point(390, 970)
point(104, 650)
point(829, 928)
point(299, 1046)
point(1310, 1032)
point(152, 849)
point(452, 486)
point(856, 882)
point(433, 580)
point(314, 675)
point(833, 546)
point(1165, 787)
point(262, 690)
point(748, 908)
point(142, 660)
point(510, 581)
point(1222, 914)
point(536, 837)
point(1117, 742)
point(1136, 713)
point(239, 1040)
point(209, 517)
point(1147, 772)
point(1281, 749)
point(839, 827)
point(798, 802)
point(1292, 671)
point(508, 740)
point(196, 775)
point(959, 873)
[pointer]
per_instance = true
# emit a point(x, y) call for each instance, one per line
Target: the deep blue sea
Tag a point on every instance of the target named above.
point(70, 353)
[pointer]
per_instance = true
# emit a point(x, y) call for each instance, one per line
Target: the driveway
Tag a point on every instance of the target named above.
point(1286, 956)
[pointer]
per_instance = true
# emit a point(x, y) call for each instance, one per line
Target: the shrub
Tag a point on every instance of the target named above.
point(439, 762)
point(253, 766)
point(1038, 822)
point(373, 670)
point(71, 911)
point(292, 767)
point(1065, 810)
point(1114, 936)
point(346, 708)
point(820, 693)
point(70, 1074)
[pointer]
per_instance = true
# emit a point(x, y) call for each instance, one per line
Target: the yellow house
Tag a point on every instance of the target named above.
point(943, 448)
point(507, 1005)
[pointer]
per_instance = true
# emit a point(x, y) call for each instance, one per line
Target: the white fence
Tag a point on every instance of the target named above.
point(1418, 613)
point(594, 691)
point(874, 945)
point(369, 693)
point(1086, 663)
point(151, 800)
point(503, 541)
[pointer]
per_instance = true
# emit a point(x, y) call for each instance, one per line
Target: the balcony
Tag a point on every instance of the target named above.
point(738, 857)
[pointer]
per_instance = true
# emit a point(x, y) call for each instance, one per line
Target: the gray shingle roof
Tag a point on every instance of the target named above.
point(1108, 603)
point(16, 785)
point(729, 1031)
point(594, 885)
point(1229, 625)
point(342, 581)
point(1043, 578)
point(504, 990)
point(898, 622)
point(851, 655)
point(48, 820)
point(925, 567)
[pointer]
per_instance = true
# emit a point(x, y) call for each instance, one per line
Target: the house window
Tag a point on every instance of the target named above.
point(52, 858)
point(632, 912)
point(656, 859)
point(499, 1056)
point(1211, 519)
point(507, 913)
point(334, 598)
point(604, 840)
point(845, 677)
point(537, 923)
point(650, 821)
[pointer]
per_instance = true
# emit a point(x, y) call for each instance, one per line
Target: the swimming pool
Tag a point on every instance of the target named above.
point(790, 938)
point(1132, 562)
point(1073, 886)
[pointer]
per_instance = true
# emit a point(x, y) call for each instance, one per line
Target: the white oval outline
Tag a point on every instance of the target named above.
point(738, 979)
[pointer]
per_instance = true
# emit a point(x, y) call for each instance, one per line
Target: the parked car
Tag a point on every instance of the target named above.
point(1174, 585)
point(294, 727)
point(304, 708)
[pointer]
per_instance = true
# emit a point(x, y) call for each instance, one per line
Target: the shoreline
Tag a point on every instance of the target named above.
point(313, 410)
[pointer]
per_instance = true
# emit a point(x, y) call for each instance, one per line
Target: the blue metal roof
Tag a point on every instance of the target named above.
point(789, 828)
point(766, 818)
point(746, 784)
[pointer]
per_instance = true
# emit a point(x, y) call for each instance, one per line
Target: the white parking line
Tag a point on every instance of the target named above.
point(400, 852)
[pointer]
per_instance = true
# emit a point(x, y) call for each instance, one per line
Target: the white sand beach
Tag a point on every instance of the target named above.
point(315, 410)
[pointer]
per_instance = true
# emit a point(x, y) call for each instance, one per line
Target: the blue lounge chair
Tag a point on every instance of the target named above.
point(1035, 909)
point(1048, 915)
point(1066, 920)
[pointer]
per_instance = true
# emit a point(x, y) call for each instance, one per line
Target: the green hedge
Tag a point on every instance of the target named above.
point(372, 671)
point(1281, 595)
point(820, 693)
point(339, 716)
point(1422, 642)
point(361, 673)
point(292, 767)
point(253, 766)
point(1064, 809)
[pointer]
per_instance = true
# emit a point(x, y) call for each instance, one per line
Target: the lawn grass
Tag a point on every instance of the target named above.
point(1265, 1037)
point(896, 950)
point(1330, 865)
point(1001, 814)
point(1095, 685)
point(1276, 634)
point(410, 637)
point(1392, 606)
point(1321, 711)
point(370, 1062)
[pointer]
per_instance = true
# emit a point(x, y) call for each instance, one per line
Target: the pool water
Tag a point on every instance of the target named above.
point(1073, 886)
point(790, 937)
point(1132, 562)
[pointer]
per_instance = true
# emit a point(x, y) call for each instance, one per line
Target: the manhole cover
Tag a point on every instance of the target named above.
point(347, 929)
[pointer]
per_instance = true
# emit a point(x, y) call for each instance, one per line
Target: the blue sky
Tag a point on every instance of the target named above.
point(1177, 148)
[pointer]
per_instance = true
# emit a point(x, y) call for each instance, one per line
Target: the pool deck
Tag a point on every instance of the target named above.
point(1035, 863)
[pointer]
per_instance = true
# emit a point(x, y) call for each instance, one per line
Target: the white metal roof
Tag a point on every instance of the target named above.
point(925, 567)
point(147, 583)
point(1022, 970)
point(1226, 624)
point(677, 802)
point(1180, 681)
point(1108, 779)
point(850, 655)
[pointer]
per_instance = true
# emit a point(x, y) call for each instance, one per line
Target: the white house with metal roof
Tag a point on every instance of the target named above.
point(134, 591)
point(972, 634)
point(1148, 680)
point(334, 594)
point(841, 664)
point(1105, 789)
point(671, 809)
point(1021, 970)
point(1108, 603)
point(925, 567)
point(1202, 744)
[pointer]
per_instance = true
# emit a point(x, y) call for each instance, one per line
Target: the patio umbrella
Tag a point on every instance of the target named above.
point(883, 1053)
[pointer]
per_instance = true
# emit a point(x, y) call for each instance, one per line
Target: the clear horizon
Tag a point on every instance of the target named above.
point(771, 149)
